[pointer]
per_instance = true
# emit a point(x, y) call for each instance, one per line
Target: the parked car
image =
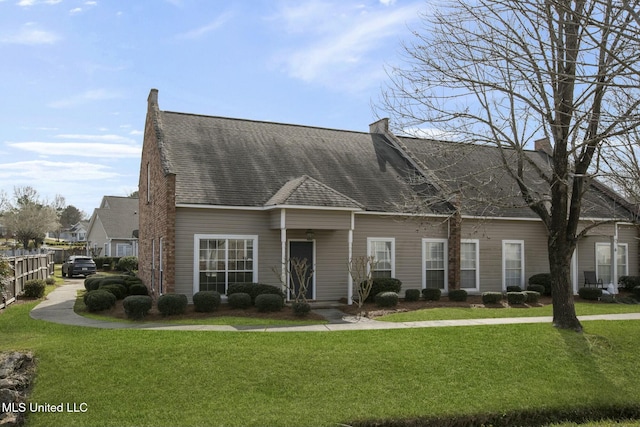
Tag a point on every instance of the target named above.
point(78, 266)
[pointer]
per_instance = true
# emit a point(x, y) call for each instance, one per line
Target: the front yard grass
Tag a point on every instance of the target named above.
point(455, 313)
point(194, 378)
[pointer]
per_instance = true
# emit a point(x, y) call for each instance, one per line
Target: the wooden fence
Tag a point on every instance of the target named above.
point(26, 267)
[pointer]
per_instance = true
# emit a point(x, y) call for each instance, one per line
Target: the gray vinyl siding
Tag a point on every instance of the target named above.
point(408, 233)
point(317, 219)
point(491, 234)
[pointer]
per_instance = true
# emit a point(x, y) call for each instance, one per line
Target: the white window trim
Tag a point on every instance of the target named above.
point(196, 253)
point(371, 240)
point(504, 263)
point(477, 243)
point(446, 262)
point(608, 245)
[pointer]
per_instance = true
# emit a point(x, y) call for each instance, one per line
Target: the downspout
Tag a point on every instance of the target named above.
point(283, 250)
point(350, 278)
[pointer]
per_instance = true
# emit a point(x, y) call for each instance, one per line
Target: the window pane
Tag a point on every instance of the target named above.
point(381, 251)
point(434, 264)
point(512, 264)
point(468, 279)
point(435, 279)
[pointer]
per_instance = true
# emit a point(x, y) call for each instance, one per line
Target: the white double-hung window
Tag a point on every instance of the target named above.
point(469, 264)
point(383, 252)
point(434, 261)
point(603, 261)
point(512, 263)
point(221, 260)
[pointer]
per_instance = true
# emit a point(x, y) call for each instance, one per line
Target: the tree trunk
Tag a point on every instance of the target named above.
point(564, 311)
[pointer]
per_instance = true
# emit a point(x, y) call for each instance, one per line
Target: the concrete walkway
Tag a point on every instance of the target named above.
point(58, 308)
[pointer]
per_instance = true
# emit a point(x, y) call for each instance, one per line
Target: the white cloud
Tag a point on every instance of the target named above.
point(339, 42)
point(29, 3)
point(204, 30)
point(79, 149)
point(68, 171)
point(30, 34)
point(86, 97)
point(75, 10)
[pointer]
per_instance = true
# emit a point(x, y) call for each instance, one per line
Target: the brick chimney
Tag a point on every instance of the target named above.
point(153, 98)
point(543, 145)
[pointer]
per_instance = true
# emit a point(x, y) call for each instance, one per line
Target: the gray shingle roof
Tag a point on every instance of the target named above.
point(222, 161)
point(306, 191)
point(119, 216)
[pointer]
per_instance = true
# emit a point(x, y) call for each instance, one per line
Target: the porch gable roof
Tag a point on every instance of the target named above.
point(307, 191)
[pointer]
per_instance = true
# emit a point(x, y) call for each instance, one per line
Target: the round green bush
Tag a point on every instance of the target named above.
point(99, 300)
point(239, 300)
point(491, 297)
point(629, 282)
point(592, 294)
point(50, 281)
point(514, 288)
point(172, 304)
point(92, 283)
point(128, 263)
point(301, 308)
point(269, 302)
point(431, 294)
point(516, 298)
point(386, 299)
point(536, 288)
point(206, 301)
point(253, 289)
point(138, 289)
point(412, 295)
point(34, 288)
point(543, 279)
point(116, 289)
point(137, 306)
point(532, 297)
point(457, 295)
point(384, 284)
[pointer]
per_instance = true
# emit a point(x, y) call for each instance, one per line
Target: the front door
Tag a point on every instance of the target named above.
point(300, 251)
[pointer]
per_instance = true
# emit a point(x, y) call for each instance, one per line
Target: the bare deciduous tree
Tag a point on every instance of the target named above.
point(29, 218)
point(508, 72)
point(299, 273)
point(361, 271)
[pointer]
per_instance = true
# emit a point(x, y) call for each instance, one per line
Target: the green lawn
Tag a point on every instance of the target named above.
point(582, 309)
point(192, 378)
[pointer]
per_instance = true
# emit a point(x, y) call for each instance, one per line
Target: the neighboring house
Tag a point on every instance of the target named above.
point(76, 233)
point(113, 227)
point(225, 200)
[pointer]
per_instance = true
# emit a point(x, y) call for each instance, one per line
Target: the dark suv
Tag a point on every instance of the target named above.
point(78, 266)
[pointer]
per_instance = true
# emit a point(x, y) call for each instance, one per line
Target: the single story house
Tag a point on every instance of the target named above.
point(76, 233)
point(113, 228)
point(225, 200)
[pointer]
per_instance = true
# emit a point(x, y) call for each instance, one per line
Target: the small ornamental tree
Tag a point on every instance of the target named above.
point(361, 269)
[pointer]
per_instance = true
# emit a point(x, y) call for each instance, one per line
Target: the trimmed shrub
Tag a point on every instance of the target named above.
point(629, 282)
point(34, 288)
point(138, 289)
point(239, 300)
point(532, 297)
point(431, 294)
point(412, 295)
point(206, 301)
point(128, 263)
point(92, 283)
point(262, 289)
point(99, 300)
point(536, 288)
point(592, 294)
point(386, 299)
point(118, 290)
point(269, 302)
point(516, 298)
point(636, 292)
point(172, 304)
point(384, 284)
point(50, 281)
point(458, 295)
point(137, 306)
point(514, 288)
point(491, 297)
point(301, 308)
point(543, 279)
point(253, 289)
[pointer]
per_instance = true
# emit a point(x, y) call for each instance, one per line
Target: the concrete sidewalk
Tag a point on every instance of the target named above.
point(58, 308)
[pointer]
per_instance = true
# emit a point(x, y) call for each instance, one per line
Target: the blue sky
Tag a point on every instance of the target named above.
point(76, 74)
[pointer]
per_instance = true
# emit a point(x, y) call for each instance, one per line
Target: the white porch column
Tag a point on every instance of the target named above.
point(283, 249)
point(350, 279)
